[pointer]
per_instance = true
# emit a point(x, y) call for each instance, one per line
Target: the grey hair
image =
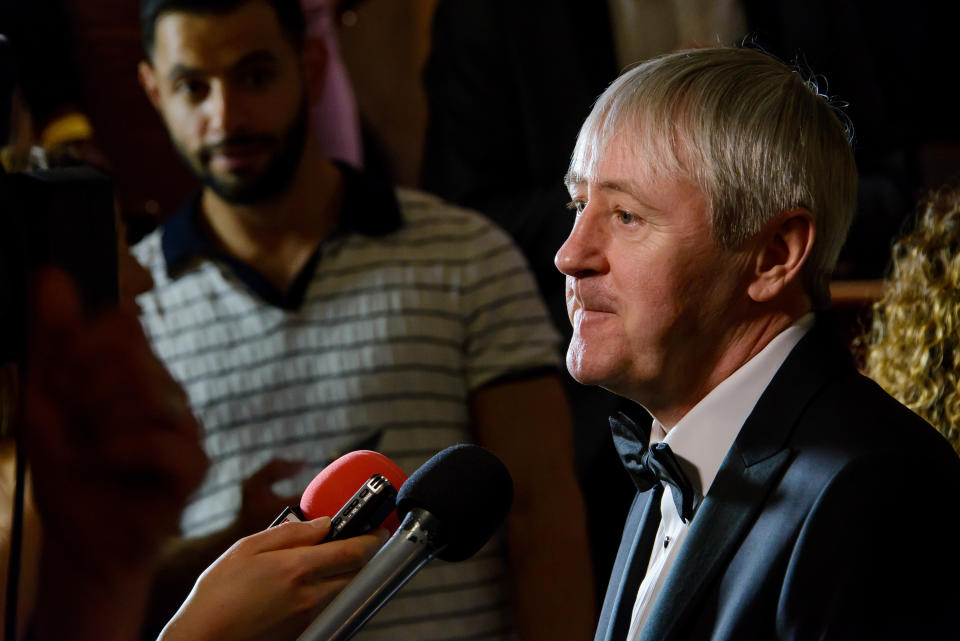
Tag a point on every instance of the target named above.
point(755, 136)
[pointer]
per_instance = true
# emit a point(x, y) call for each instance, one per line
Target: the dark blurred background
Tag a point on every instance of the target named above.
point(484, 107)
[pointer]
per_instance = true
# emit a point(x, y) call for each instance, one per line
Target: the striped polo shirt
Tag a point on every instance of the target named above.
point(411, 305)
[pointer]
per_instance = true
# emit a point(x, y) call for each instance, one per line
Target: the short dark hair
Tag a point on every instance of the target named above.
point(289, 13)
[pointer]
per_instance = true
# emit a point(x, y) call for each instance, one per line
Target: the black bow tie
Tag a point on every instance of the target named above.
point(649, 466)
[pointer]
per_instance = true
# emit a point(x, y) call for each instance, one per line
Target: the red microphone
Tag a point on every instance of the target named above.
point(357, 491)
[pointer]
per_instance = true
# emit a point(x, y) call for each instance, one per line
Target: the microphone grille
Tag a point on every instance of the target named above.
point(468, 490)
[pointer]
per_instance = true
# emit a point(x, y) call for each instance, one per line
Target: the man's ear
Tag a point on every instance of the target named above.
point(786, 243)
point(148, 80)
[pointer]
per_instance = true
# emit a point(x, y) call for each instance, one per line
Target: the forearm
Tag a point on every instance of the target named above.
point(550, 567)
point(527, 424)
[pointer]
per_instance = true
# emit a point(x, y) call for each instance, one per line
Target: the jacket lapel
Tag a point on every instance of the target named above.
point(749, 472)
point(717, 529)
point(630, 567)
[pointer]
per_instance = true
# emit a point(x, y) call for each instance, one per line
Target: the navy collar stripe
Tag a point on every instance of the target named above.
point(369, 208)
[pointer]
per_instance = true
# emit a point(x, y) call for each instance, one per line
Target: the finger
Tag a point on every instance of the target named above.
point(44, 426)
point(159, 458)
point(61, 331)
point(55, 313)
point(321, 593)
point(340, 557)
point(287, 535)
point(55, 303)
point(109, 375)
point(137, 402)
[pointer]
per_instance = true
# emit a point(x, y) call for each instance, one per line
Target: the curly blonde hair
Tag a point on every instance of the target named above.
point(912, 349)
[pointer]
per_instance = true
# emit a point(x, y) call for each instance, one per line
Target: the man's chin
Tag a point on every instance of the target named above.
point(584, 371)
point(245, 192)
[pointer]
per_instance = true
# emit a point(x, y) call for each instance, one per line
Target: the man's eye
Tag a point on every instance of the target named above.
point(576, 205)
point(626, 218)
point(194, 89)
point(257, 78)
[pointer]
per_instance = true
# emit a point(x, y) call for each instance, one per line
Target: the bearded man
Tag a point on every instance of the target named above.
point(310, 309)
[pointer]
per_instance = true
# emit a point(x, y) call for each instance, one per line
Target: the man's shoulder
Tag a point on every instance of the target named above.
point(854, 434)
point(422, 208)
point(172, 288)
point(436, 226)
point(869, 414)
point(832, 416)
point(149, 252)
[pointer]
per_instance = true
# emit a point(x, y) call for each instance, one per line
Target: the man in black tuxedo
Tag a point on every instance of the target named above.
point(781, 494)
point(510, 81)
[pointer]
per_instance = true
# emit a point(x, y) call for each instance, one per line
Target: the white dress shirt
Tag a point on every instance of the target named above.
point(700, 441)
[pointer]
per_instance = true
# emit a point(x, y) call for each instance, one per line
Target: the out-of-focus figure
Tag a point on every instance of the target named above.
point(914, 339)
point(333, 104)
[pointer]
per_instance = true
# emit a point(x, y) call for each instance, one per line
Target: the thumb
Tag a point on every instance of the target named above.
point(56, 302)
point(288, 535)
point(55, 308)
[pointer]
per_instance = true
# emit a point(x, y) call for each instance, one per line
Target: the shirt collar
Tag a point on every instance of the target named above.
point(369, 208)
point(702, 438)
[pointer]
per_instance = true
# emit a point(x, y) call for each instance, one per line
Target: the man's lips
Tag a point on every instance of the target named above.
point(596, 308)
point(236, 155)
point(587, 313)
point(582, 315)
point(589, 303)
point(585, 302)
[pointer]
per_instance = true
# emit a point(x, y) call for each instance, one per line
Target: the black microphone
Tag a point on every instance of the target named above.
point(450, 508)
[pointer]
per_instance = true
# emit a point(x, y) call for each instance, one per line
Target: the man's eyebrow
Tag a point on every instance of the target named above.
point(625, 186)
point(181, 70)
point(255, 58)
point(572, 179)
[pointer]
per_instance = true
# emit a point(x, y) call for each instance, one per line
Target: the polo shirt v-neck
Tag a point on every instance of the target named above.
point(369, 207)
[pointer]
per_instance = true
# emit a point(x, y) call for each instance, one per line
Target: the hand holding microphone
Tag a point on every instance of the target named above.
point(451, 507)
point(271, 584)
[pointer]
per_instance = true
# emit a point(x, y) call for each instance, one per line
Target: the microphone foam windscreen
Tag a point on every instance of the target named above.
point(468, 490)
point(338, 482)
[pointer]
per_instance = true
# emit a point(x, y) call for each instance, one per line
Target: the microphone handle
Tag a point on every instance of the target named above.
point(408, 550)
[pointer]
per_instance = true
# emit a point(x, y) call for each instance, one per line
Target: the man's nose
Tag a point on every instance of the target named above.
point(583, 251)
point(225, 111)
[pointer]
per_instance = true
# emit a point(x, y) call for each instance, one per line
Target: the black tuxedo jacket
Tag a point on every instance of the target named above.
point(833, 516)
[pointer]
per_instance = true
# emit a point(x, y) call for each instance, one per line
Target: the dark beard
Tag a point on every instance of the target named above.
point(269, 183)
